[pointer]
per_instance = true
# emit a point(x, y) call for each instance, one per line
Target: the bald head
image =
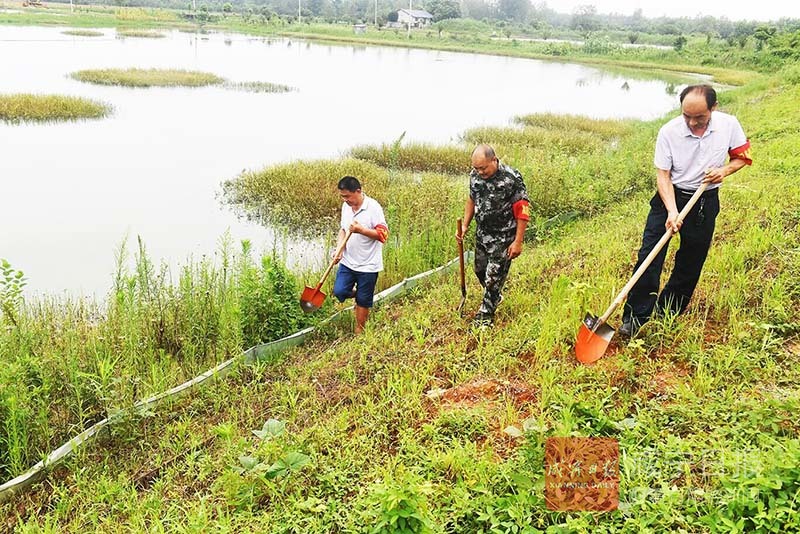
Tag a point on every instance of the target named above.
point(484, 161)
point(484, 150)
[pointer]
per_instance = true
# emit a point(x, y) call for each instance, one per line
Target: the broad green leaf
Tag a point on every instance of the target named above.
point(271, 429)
point(248, 462)
point(293, 461)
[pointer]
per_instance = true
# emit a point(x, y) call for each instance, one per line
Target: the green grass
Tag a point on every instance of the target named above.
point(259, 87)
point(83, 33)
point(17, 108)
point(417, 157)
point(146, 34)
point(301, 197)
point(703, 406)
point(70, 362)
point(728, 65)
point(147, 77)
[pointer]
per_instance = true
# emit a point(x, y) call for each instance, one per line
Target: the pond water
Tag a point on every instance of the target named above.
point(71, 192)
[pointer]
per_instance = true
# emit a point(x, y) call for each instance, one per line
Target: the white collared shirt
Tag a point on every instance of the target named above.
point(688, 156)
point(362, 253)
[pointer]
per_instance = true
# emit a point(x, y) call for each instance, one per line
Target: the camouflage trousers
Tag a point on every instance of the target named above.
point(491, 267)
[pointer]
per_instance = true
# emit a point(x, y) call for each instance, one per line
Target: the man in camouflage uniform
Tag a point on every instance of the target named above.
point(499, 203)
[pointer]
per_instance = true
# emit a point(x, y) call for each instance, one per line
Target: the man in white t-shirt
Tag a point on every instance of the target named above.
point(701, 145)
point(362, 258)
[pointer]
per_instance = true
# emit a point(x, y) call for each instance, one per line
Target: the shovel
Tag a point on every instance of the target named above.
point(312, 298)
point(595, 334)
point(460, 308)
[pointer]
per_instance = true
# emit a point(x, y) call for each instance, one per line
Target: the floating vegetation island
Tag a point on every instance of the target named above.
point(83, 33)
point(147, 77)
point(259, 87)
point(46, 108)
point(146, 34)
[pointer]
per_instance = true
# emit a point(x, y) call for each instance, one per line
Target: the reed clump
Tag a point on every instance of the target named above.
point(45, 108)
point(605, 128)
point(143, 34)
point(419, 157)
point(83, 33)
point(147, 77)
point(259, 87)
point(302, 195)
point(68, 363)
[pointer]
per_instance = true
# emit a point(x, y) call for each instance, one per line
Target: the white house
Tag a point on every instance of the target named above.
point(417, 18)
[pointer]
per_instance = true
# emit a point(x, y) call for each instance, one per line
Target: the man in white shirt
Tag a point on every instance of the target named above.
point(691, 149)
point(362, 258)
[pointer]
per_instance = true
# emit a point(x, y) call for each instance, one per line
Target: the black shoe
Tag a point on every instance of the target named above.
point(629, 328)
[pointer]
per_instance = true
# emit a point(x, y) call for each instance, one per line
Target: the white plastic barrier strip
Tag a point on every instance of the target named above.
point(259, 352)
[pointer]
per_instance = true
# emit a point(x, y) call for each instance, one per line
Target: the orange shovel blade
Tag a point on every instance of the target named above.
point(312, 299)
point(591, 345)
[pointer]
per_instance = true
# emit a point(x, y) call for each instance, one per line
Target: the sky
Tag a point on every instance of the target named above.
point(763, 10)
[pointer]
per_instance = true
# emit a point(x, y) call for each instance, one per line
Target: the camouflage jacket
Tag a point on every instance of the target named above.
point(494, 199)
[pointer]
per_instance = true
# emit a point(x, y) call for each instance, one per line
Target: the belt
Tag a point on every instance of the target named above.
point(700, 208)
point(687, 194)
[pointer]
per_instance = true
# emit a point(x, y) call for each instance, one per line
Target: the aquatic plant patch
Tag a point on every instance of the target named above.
point(25, 107)
point(147, 77)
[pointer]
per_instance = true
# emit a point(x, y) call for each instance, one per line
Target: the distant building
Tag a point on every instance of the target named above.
point(417, 18)
point(359, 28)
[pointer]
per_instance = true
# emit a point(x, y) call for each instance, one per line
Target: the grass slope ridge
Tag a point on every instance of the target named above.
point(703, 405)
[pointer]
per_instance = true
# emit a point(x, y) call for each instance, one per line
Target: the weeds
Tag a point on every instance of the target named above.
point(17, 108)
point(258, 87)
point(147, 77)
point(145, 34)
point(703, 405)
point(71, 363)
point(416, 157)
point(83, 33)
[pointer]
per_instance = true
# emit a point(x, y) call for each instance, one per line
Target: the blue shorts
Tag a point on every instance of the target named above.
point(364, 283)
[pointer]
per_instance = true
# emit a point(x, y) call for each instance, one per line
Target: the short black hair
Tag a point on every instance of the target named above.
point(350, 183)
point(704, 89)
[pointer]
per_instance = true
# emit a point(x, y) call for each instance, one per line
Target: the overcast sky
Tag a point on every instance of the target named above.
point(732, 9)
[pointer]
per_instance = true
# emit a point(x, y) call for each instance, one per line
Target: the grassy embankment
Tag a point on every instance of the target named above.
point(70, 362)
point(49, 108)
point(728, 65)
point(703, 405)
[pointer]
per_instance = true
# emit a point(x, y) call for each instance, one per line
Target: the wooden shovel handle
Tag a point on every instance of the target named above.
point(461, 256)
point(650, 257)
point(339, 250)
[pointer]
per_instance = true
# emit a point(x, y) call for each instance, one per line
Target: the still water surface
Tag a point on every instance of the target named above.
point(71, 192)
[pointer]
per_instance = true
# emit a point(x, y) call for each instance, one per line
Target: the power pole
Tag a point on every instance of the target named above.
point(299, 13)
point(376, 13)
point(410, 18)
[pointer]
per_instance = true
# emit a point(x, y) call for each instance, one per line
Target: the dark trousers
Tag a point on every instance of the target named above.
point(696, 233)
point(491, 268)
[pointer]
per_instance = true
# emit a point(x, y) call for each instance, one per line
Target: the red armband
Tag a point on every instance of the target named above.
point(522, 210)
point(383, 232)
point(741, 152)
